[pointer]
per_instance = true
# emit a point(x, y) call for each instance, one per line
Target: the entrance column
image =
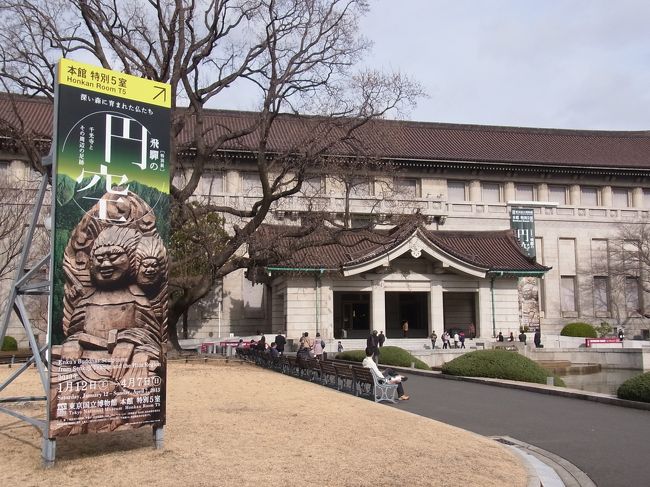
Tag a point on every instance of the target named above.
point(378, 303)
point(436, 311)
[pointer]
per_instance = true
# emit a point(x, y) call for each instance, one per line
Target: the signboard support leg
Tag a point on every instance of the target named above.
point(158, 437)
point(48, 452)
point(22, 285)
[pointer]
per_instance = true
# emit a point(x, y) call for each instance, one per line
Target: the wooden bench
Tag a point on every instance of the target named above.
point(367, 383)
point(344, 378)
point(328, 375)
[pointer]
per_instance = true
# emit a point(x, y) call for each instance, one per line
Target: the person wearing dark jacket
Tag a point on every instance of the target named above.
point(382, 338)
point(372, 343)
point(280, 342)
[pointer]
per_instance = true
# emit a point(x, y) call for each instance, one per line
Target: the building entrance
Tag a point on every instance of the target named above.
point(411, 306)
point(351, 315)
point(460, 313)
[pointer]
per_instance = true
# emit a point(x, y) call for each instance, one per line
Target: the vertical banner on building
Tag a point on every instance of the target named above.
point(522, 221)
point(108, 312)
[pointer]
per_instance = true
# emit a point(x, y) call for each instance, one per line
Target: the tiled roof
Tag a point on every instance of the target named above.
point(412, 141)
point(334, 249)
point(496, 250)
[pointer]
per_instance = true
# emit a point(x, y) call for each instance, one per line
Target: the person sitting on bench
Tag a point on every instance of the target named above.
point(390, 375)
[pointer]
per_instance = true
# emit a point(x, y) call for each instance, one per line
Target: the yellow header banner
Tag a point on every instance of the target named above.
point(114, 83)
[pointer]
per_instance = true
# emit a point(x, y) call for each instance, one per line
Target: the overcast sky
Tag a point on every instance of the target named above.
point(535, 63)
point(540, 63)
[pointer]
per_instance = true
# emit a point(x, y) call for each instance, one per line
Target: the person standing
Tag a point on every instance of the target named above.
point(280, 342)
point(319, 346)
point(382, 338)
point(461, 337)
point(445, 340)
point(456, 339)
point(405, 328)
point(537, 339)
point(433, 337)
point(339, 347)
point(372, 343)
point(621, 335)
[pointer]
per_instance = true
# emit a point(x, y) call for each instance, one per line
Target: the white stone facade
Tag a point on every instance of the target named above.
point(575, 208)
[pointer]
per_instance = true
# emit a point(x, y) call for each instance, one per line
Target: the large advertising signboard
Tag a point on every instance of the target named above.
point(522, 220)
point(108, 310)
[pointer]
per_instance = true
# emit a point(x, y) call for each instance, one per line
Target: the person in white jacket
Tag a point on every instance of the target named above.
point(390, 375)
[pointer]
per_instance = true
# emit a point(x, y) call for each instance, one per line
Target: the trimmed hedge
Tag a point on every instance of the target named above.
point(636, 389)
point(579, 330)
point(499, 364)
point(9, 344)
point(388, 356)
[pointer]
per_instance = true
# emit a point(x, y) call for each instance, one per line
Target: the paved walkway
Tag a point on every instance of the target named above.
point(611, 444)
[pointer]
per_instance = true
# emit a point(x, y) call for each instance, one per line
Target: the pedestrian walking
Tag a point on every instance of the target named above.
point(405, 328)
point(461, 337)
point(433, 337)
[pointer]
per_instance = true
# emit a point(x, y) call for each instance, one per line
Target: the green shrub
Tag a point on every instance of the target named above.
point(636, 389)
point(9, 344)
point(579, 330)
point(352, 355)
point(498, 364)
point(388, 356)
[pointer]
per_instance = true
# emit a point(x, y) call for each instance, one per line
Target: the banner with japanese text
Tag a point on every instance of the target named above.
point(109, 300)
point(522, 221)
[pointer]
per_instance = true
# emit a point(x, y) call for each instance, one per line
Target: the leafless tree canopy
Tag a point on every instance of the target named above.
point(295, 56)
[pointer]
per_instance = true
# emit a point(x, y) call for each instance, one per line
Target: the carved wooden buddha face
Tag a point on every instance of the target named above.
point(149, 271)
point(110, 265)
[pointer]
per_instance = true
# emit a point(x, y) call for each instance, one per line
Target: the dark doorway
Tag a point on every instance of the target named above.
point(411, 306)
point(460, 313)
point(351, 315)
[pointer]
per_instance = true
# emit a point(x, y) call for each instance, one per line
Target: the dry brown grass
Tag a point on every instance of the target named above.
point(237, 425)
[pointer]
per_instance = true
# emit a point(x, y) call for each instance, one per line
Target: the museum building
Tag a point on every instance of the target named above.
point(455, 263)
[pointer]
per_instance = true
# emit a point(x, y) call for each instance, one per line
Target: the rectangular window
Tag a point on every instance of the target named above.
point(180, 179)
point(589, 196)
point(251, 183)
point(525, 192)
point(567, 256)
point(558, 194)
point(632, 302)
point(456, 192)
point(620, 198)
point(360, 187)
point(211, 183)
point(601, 295)
point(407, 187)
point(312, 186)
point(491, 193)
point(360, 221)
point(568, 293)
point(599, 256)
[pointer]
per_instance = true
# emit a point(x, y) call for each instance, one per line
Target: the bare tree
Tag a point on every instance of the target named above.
point(629, 264)
point(297, 56)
